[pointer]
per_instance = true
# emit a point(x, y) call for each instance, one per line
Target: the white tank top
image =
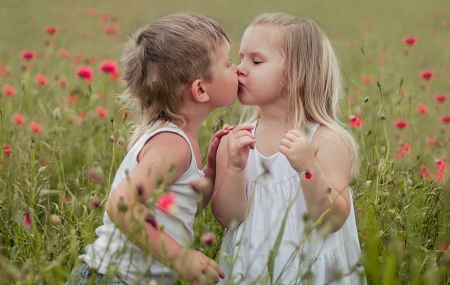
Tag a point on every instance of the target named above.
point(112, 248)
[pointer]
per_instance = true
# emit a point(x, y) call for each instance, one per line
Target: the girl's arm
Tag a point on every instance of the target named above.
point(126, 208)
point(229, 201)
point(328, 162)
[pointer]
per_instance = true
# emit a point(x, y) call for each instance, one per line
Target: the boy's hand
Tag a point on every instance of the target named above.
point(240, 142)
point(214, 145)
point(196, 267)
point(298, 150)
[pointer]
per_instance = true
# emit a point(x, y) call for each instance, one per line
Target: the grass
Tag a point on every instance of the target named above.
point(56, 176)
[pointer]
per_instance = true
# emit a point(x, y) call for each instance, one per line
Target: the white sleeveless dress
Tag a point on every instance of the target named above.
point(246, 248)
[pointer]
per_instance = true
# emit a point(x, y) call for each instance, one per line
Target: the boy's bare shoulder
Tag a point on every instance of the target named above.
point(168, 144)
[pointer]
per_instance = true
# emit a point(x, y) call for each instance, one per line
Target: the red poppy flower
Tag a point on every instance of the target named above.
point(356, 121)
point(8, 90)
point(425, 172)
point(111, 30)
point(308, 174)
point(18, 119)
point(404, 148)
point(431, 141)
point(445, 119)
point(410, 40)
point(85, 73)
point(101, 112)
point(422, 108)
point(35, 127)
point(91, 12)
point(110, 67)
point(427, 74)
point(166, 203)
point(72, 99)
point(7, 150)
point(441, 98)
point(51, 30)
point(28, 55)
point(41, 79)
point(401, 124)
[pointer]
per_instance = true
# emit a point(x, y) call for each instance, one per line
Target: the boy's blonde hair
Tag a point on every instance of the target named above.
point(161, 60)
point(312, 76)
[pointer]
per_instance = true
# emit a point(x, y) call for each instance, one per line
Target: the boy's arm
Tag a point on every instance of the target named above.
point(126, 207)
point(229, 201)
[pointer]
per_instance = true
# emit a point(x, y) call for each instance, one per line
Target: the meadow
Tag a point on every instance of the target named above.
point(63, 134)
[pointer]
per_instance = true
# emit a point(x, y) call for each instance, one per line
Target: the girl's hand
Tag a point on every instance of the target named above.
point(298, 150)
point(196, 267)
point(239, 143)
point(214, 145)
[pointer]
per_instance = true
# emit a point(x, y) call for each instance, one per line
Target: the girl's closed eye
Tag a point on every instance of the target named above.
point(257, 61)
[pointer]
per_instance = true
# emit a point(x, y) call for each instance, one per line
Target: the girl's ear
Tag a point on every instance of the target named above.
point(198, 91)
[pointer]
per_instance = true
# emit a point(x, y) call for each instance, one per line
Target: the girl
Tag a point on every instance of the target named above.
point(177, 70)
point(290, 167)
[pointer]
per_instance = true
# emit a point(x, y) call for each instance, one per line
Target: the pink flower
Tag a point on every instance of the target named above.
point(95, 202)
point(101, 112)
point(431, 141)
point(27, 219)
point(404, 148)
point(356, 121)
point(63, 53)
point(7, 150)
point(367, 79)
point(28, 55)
point(422, 108)
point(35, 127)
point(427, 74)
point(18, 119)
point(166, 203)
point(41, 79)
point(410, 40)
point(8, 90)
point(208, 238)
point(445, 119)
point(85, 73)
point(401, 124)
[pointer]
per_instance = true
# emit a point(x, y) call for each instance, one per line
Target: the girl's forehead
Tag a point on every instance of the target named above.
point(261, 36)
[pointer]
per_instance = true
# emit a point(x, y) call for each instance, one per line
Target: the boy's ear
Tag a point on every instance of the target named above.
point(198, 91)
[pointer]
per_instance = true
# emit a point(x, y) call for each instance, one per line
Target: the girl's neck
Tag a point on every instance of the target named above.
point(273, 117)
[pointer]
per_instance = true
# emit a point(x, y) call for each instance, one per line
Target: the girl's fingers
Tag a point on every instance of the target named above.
point(286, 142)
point(216, 267)
point(248, 127)
point(245, 141)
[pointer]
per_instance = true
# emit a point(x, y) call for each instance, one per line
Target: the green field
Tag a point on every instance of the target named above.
point(47, 195)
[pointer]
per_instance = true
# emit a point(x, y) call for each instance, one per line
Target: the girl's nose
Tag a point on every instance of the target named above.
point(240, 70)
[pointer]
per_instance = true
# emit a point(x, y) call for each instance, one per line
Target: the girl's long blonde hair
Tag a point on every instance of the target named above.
point(161, 60)
point(312, 76)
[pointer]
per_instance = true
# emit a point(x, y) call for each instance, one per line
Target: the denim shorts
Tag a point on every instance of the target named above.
point(81, 275)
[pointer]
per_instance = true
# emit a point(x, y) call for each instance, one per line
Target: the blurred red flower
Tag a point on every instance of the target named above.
point(7, 150)
point(308, 174)
point(356, 121)
point(110, 67)
point(72, 99)
point(425, 172)
point(441, 98)
point(41, 79)
point(85, 73)
point(422, 108)
point(367, 79)
point(101, 112)
point(431, 141)
point(91, 12)
point(35, 127)
point(427, 74)
point(166, 203)
point(51, 30)
point(18, 119)
point(410, 40)
point(404, 148)
point(111, 30)
point(8, 90)
point(208, 238)
point(401, 124)
point(28, 54)
point(442, 166)
point(63, 53)
point(445, 119)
